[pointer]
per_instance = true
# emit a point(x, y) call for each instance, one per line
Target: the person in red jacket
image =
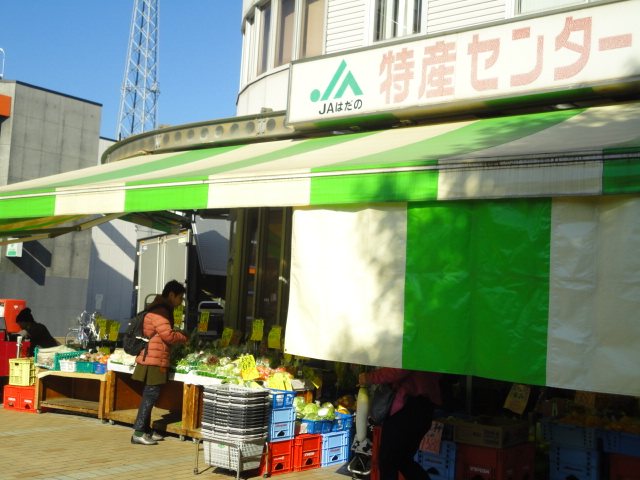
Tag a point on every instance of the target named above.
point(152, 364)
point(410, 415)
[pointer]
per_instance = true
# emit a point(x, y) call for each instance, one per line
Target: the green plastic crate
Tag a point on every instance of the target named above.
point(85, 367)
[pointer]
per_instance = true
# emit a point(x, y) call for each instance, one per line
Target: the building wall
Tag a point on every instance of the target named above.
point(349, 25)
point(48, 133)
point(51, 133)
point(347, 22)
point(443, 15)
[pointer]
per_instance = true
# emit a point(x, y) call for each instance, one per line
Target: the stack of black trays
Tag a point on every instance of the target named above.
point(235, 424)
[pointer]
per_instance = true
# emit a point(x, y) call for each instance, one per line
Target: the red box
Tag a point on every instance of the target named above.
point(375, 449)
point(307, 452)
point(486, 463)
point(279, 459)
point(19, 398)
point(9, 310)
point(624, 467)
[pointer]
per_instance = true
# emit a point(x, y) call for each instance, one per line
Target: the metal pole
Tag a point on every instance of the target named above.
point(2, 55)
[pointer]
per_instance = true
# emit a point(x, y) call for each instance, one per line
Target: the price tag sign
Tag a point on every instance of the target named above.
point(274, 338)
point(517, 399)
point(227, 333)
point(433, 438)
point(280, 381)
point(203, 321)
point(178, 314)
point(257, 330)
point(586, 399)
point(248, 369)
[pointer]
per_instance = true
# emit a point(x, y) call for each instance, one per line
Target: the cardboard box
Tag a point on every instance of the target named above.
point(492, 432)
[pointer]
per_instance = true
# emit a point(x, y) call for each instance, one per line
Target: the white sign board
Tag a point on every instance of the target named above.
point(571, 50)
point(14, 250)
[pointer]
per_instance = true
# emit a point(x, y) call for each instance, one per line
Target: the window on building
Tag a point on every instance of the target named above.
point(248, 50)
point(286, 23)
point(312, 28)
point(258, 286)
point(265, 37)
point(397, 18)
point(531, 6)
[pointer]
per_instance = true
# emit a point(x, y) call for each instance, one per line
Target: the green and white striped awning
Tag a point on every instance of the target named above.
point(572, 152)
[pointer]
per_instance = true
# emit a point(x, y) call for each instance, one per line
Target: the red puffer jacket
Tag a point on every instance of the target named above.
point(158, 322)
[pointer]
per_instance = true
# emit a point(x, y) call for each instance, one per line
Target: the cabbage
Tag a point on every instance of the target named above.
point(326, 413)
point(298, 403)
point(310, 408)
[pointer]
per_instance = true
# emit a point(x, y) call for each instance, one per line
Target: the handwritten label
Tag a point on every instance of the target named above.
point(225, 339)
point(274, 338)
point(586, 399)
point(280, 381)
point(178, 316)
point(433, 438)
point(248, 369)
point(257, 330)
point(517, 399)
point(203, 322)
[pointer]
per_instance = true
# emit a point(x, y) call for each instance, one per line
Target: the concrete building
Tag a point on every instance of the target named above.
point(46, 133)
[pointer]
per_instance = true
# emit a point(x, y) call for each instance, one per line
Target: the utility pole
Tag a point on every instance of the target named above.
point(1, 63)
point(140, 90)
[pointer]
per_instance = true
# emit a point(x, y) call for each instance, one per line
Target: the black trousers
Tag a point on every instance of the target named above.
point(401, 436)
point(150, 396)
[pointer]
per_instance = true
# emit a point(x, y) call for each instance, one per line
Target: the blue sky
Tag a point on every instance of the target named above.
point(79, 48)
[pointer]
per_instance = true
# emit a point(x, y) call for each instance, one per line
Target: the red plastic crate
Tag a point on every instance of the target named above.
point(280, 458)
point(307, 452)
point(20, 398)
point(486, 463)
point(624, 467)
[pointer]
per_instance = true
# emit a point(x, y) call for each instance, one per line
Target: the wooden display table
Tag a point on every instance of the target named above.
point(71, 391)
point(177, 411)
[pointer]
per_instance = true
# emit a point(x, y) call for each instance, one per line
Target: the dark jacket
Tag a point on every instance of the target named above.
point(39, 336)
point(158, 326)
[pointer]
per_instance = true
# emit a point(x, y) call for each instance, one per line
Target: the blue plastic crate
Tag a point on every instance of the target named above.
point(622, 443)
point(335, 439)
point(279, 431)
point(564, 472)
point(576, 457)
point(342, 422)
point(573, 436)
point(439, 466)
point(335, 448)
point(281, 398)
point(316, 426)
point(283, 415)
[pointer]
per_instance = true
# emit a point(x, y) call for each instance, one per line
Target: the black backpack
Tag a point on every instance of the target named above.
point(133, 341)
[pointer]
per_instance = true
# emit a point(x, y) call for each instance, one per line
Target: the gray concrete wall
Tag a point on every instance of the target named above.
point(113, 257)
point(51, 133)
point(6, 88)
point(48, 133)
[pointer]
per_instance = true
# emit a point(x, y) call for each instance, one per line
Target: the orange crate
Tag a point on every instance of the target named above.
point(624, 467)
point(487, 463)
point(279, 459)
point(307, 452)
point(19, 398)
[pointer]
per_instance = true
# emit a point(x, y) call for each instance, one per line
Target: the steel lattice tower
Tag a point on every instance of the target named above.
point(139, 97)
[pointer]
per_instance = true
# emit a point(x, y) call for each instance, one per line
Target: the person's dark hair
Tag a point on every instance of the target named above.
point(174, 287)
point(25, 316)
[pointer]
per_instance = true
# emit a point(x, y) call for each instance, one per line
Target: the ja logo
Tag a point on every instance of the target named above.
point(348, 81)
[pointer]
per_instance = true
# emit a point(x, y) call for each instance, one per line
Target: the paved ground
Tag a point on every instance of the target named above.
point(60, 446)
